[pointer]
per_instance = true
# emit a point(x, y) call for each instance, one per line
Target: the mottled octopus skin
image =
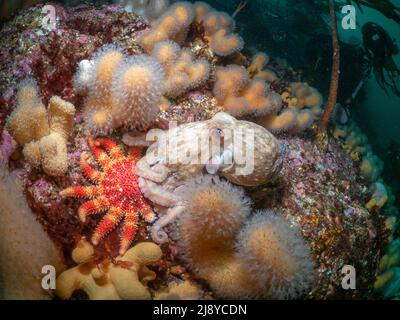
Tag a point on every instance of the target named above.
point(116, 190)
point(160, 176)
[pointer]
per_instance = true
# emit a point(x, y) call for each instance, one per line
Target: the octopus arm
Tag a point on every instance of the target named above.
point(157, 173)
point(157, 194)
point(157, 233)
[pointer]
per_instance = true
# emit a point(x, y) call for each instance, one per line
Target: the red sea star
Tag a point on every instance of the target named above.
point(116, 190)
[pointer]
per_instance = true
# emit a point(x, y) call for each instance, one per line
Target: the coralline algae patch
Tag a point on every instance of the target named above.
point(323, 194)
point(51, 56)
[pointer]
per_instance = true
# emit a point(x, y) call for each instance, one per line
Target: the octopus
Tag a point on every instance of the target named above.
point(243, 152)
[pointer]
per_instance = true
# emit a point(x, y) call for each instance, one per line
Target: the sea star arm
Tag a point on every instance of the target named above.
point(92, 207)
point(99, 153)
point(88, 171)
point(129, 230)
point(134, 154)
point(107, 224)
point(111, 147)
point(81, 192)
point(146, 211)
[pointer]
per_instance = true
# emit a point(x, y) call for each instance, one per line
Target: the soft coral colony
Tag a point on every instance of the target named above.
point(206, 226)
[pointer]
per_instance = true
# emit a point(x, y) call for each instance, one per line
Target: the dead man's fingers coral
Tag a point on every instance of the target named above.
point(215, 21)
point(224, 44)
point(201, 9)
point(175, 22)
point(182, 70)
point(185, 290)
point(173, 25)
point(275, 256)
point(240, 95)
point(305, 95)
point(53, 153)
point(42, 134)
point(267, 75)
point(31, 152)
point(255, 95)
point(137, 88)
point(166, 52)
point(229, 81)
point(28, 107)
point(305, 119)
point(258, 62)
point(94, 78)
point(61, 116)
point(282, 122)
point(125, 279)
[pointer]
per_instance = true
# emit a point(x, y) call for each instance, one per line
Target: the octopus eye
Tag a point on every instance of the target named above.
point(218, 132)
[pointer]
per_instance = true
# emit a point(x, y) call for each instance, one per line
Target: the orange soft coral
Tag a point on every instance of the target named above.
point(42, 134)
point(302, 95)
point(183, 71)
point(258, 62)
point(239, 95)
point(229, 81)
point(219, 28)
point(279, 123)
point(98, 103)
point(116, 190)
point(173, 25)
point(224, 43)
point(137, 88)
point(201, 9)
point(120, 91)
point(275, 256)
point(240, 255)
point(304, 119)
point(175, 22)
point(257, 71)
point(304, 107)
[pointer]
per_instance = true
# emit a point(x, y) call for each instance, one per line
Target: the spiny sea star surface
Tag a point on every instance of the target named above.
point(116, 191)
